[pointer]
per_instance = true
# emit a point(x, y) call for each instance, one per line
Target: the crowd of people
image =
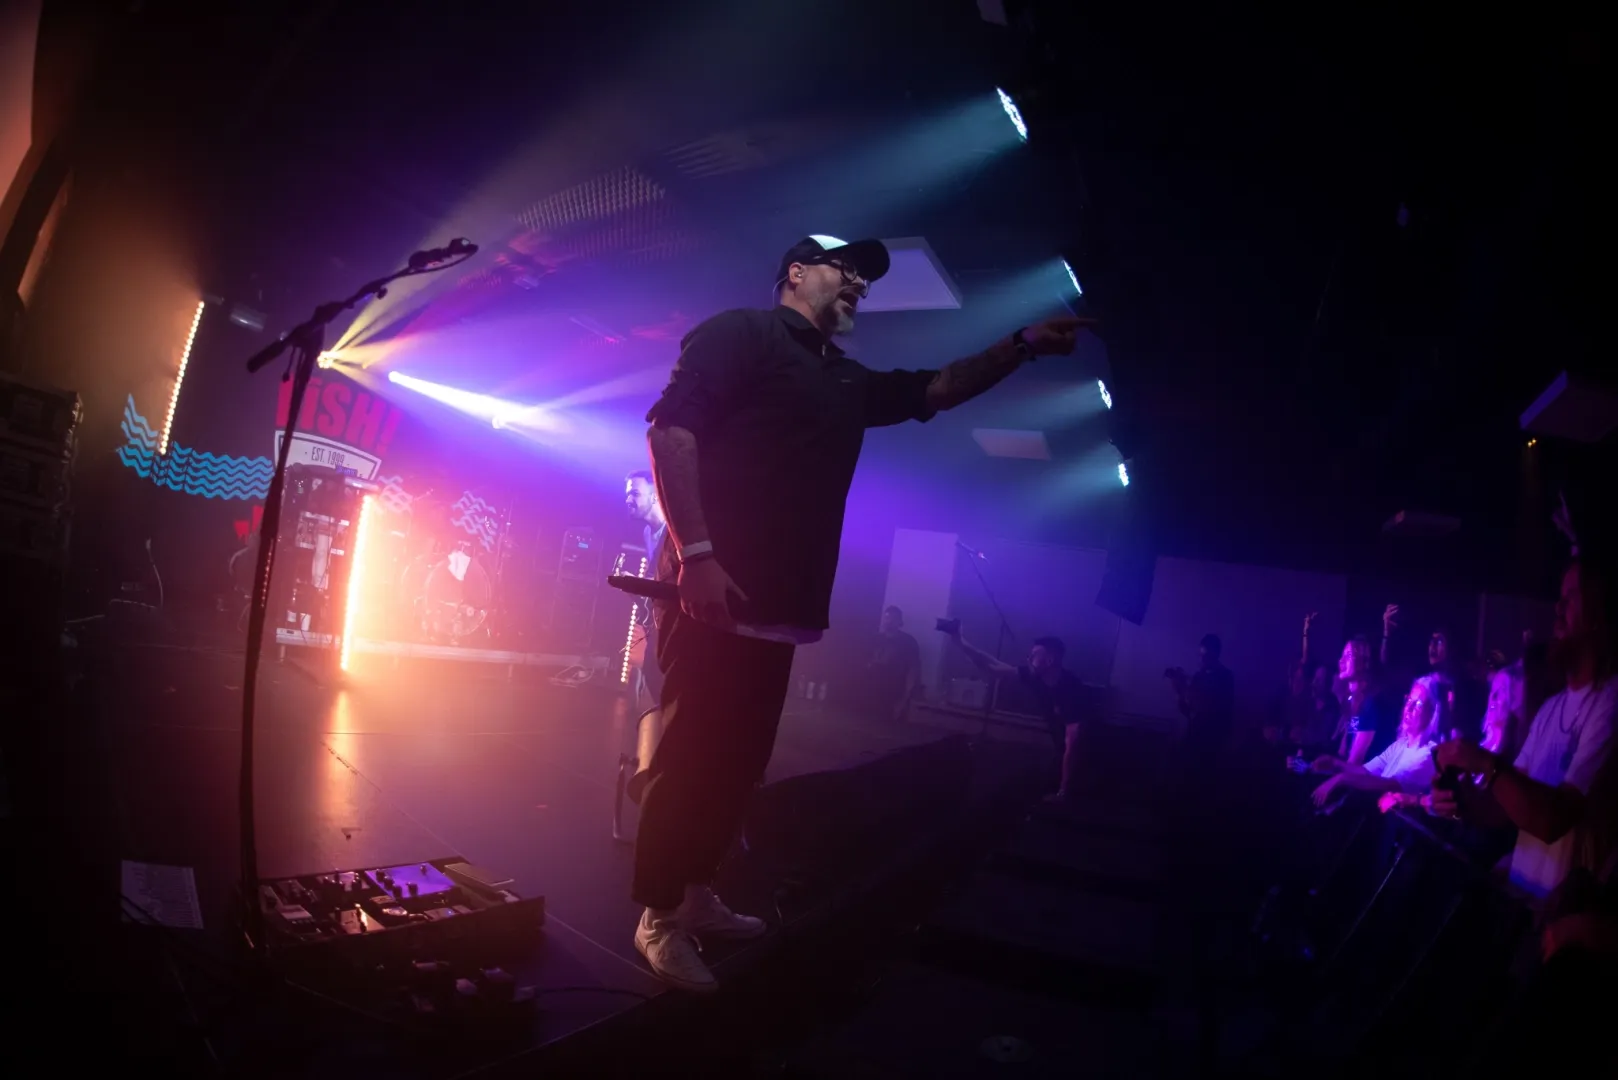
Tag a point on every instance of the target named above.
point(1503, 744)
point(1506, 761)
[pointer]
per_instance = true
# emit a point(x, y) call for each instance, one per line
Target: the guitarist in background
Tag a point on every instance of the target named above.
point(640, 499)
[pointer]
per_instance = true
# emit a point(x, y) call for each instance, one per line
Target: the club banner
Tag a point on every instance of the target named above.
point(338, 418)
point(313, 450)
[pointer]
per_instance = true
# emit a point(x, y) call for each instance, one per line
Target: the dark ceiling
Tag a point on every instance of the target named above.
point(1335, 259)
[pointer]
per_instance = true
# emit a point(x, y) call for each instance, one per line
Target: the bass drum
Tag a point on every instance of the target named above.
point(455, 598)
point(406, 601)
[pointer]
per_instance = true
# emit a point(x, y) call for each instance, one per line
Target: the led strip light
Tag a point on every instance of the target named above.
point(179, 379)
point(356, 575)
point(629, 638)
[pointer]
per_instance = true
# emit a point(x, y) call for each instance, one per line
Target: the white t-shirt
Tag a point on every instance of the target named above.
point(1408, 764)
point(1567, 743)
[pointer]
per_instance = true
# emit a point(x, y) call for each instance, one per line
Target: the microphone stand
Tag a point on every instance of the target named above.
point(1005, 631)
point(306, 342)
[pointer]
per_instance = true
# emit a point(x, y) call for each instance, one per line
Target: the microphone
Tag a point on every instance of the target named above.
point(460, 246)
point(973, 552)
point(649, 588)
point(267, 354)
point(666, 591)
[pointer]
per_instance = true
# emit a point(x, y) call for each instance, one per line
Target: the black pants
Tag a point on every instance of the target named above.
point(722, 698)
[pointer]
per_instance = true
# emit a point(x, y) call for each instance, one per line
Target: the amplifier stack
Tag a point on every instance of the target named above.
point(38, 443)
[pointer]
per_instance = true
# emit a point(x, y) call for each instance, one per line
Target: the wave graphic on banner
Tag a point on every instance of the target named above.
point(395, 499)
point(473, 515)
point(225, 476)
point(187, 469)
point(477, 517)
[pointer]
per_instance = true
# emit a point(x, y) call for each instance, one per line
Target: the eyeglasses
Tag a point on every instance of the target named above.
point(851, 275)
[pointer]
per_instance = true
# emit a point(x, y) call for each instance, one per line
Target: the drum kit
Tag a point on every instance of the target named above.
point(446, 577)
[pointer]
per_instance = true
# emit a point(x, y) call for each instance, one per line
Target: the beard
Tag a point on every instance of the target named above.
point(837, 319)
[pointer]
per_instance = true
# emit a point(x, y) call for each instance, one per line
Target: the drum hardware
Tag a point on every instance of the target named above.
point(500, 617)
point(447, 584)
point(456, 594)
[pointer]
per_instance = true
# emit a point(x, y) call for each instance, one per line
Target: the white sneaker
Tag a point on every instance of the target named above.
point(704, 914)
point(673, 954)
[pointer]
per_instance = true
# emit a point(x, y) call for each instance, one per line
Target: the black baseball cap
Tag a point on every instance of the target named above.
point(869, 257)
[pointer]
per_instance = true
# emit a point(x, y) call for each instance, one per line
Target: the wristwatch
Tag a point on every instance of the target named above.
point(1020, 343)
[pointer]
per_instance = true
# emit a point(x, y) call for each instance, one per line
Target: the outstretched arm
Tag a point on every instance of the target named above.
point(964, 379)
point(1562, 518)
point(980, 657)
point(1357, 776)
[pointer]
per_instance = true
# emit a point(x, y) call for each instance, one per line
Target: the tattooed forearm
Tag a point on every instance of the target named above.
point(674, 467)
point(966, 378)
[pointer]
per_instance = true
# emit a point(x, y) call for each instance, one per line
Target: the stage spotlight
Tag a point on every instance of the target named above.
point(1013, 113)
point(509, 415)
point(1106, 397)
point(491, 410)
point(327, 359)
point(356, 578)
point(1123, 474)
point(1073, 277)
point(179, 379)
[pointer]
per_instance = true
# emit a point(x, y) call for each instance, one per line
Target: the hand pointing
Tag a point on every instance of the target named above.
point(1056, 337)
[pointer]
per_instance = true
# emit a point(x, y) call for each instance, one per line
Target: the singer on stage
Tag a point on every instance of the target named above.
point(753, 446)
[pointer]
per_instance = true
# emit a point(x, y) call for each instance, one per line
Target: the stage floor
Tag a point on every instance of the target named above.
point(403, 765)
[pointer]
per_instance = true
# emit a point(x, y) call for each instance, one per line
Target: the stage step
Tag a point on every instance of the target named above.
point(1104, 862)
point(1137, 817)
point(1047, 939)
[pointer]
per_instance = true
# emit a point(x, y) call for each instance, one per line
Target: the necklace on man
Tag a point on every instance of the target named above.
point(1578, 717)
